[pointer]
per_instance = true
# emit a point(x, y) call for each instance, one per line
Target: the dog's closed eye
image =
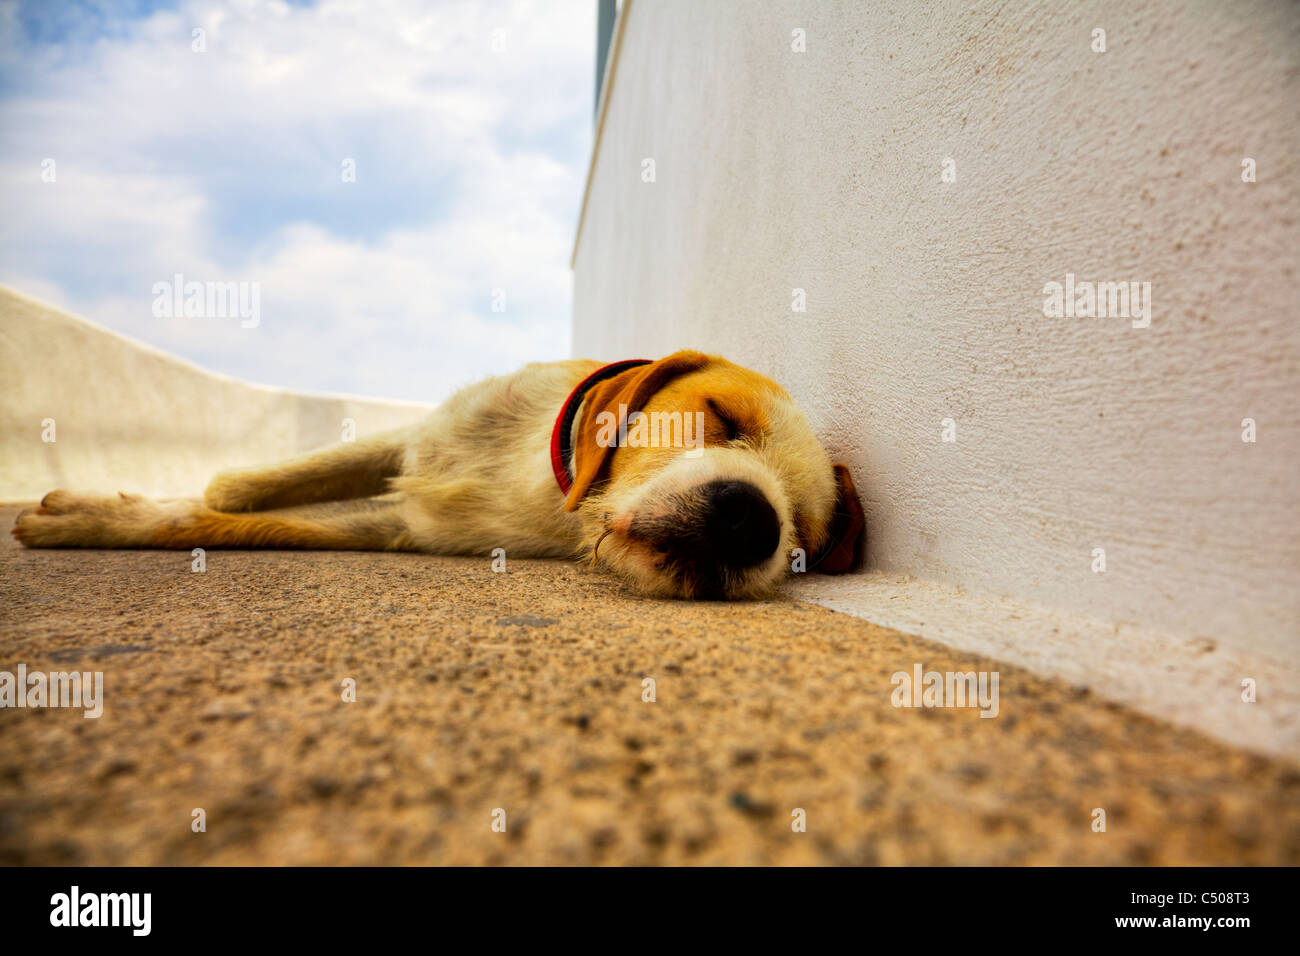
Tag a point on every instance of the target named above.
point(731, 431)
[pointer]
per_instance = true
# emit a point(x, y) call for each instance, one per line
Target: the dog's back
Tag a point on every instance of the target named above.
point(477, 475)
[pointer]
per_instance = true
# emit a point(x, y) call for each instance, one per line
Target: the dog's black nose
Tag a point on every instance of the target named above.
point(742, 527)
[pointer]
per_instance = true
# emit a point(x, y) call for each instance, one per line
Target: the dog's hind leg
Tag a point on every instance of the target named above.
point(358, 469)
point(67, 520)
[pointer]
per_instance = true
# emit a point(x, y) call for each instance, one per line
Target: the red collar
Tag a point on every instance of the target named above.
point(561, 434)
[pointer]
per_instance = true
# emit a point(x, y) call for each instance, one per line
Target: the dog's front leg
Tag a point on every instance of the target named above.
point(343, 472)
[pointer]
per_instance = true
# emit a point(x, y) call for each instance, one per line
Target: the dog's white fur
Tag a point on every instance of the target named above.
point(477, 476)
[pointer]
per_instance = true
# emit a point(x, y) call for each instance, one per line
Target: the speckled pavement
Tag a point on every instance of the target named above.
point(522, 692)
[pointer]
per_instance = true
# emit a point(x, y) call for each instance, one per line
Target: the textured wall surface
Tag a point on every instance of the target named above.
point(777, 170)
point(128, 417)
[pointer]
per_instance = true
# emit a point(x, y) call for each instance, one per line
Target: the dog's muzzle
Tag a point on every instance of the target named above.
point(714, 533)
point(741, 528)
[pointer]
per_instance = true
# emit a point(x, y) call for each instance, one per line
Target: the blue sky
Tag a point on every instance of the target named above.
point(469, 124)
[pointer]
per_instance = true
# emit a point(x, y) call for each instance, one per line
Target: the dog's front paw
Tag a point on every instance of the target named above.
point(68, 520)
point(232, 492)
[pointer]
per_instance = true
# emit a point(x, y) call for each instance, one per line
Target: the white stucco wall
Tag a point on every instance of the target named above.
point(128, 417)
point(777, 170)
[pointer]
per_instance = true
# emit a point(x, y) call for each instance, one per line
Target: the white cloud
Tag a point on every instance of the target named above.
point(225, 165)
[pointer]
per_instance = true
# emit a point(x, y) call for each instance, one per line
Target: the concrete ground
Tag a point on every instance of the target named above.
point(522, 692)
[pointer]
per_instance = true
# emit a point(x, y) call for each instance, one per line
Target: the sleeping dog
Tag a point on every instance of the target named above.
point(689, 476)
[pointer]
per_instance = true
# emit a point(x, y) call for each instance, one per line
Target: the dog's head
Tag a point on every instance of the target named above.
point(695, 477)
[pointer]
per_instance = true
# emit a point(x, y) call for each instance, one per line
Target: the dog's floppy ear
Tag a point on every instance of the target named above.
point(592, 450)
point(847, 537)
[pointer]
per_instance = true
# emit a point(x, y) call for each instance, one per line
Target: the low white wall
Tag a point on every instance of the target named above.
point(128, 417)
point(777, 170)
